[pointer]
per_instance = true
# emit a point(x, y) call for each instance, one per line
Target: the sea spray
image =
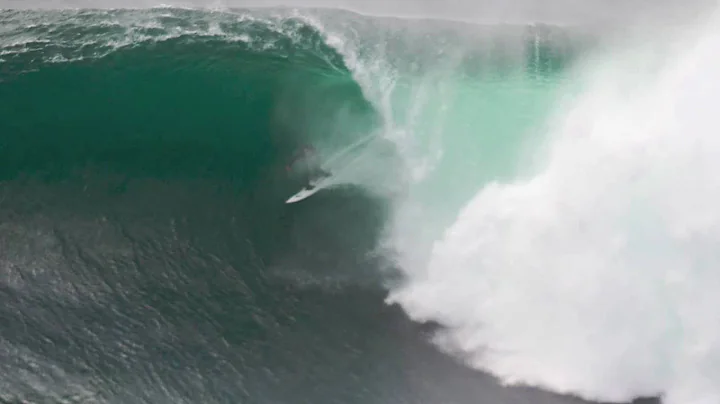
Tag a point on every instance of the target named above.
point(597, 275)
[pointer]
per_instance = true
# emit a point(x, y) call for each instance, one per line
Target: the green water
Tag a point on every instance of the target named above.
point(186, 107)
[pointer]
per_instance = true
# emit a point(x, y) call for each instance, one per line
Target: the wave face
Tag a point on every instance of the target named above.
point(148, 255)
point(122, 90)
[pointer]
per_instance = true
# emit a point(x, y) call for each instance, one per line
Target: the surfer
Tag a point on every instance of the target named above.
point(314, 171)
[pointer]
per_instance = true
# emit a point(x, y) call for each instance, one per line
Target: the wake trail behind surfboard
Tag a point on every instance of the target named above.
point(332, 179)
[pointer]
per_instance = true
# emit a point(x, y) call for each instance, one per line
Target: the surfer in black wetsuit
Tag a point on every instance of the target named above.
point(313, 172)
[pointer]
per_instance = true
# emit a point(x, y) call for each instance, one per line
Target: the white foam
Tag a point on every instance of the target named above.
point(600, 274)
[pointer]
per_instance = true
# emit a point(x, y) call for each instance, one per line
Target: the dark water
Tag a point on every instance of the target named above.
point(146, 253)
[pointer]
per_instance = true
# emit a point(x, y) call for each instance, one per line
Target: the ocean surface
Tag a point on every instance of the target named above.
point(518, 213)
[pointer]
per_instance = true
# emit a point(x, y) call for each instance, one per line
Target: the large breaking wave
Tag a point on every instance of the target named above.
point(548, 204)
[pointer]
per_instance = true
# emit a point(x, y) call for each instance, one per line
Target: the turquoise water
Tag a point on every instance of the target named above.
point(147, 253)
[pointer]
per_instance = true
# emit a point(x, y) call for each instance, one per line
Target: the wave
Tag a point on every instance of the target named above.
point(129, 101)
point(147, 152)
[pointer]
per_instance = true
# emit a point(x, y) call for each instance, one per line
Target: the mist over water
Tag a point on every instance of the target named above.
point(595, 272)
point(601, 13)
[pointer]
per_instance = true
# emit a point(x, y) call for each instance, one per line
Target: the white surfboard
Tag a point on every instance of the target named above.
point(306, 193)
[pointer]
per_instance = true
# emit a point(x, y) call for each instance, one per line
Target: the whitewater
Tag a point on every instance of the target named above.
point(595, 271)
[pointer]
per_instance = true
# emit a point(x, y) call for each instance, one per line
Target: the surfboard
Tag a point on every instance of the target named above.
point(306, 193)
